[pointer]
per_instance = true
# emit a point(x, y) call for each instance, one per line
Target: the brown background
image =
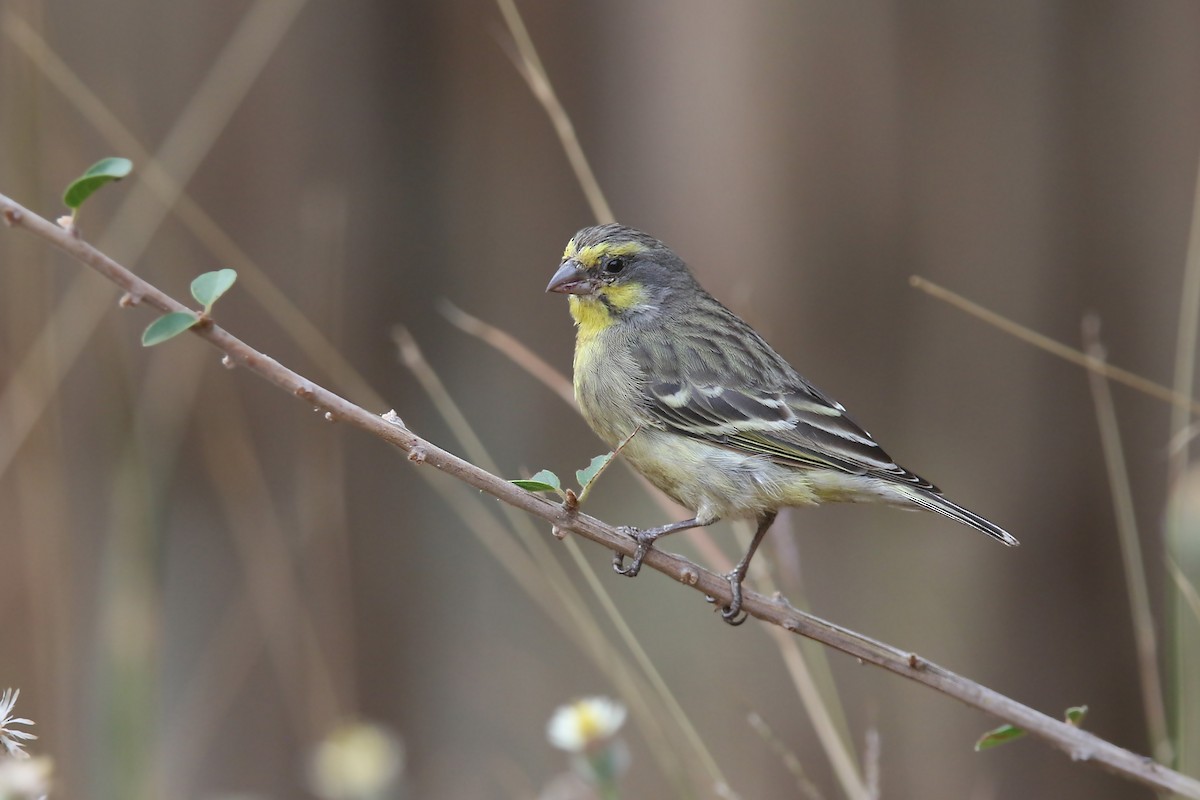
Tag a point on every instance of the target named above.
point(197, 575)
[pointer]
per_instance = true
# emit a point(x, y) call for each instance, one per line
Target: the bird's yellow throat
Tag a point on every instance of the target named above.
point(593, 314)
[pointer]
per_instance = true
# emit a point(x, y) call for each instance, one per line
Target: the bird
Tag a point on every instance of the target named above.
point(706, 410)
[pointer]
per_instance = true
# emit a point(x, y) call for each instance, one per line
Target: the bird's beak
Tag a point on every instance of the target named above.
point(571, 278)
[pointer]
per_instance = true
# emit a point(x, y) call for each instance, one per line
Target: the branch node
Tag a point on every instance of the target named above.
point(558, 533)
point(329, 417)
point(570, 501)
point(915, 662)
point(791, 625)
point(689, 576)
point(304, 391)
point(227, 361)
point(392, 418)
point(67, 223)
point(418, 455)
point(129, 300)
point(12, 216)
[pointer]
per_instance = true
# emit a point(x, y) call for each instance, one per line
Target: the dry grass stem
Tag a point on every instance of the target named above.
point(1153, 699)
point(1130, 379)
point(1185, 342)
point(530, 67)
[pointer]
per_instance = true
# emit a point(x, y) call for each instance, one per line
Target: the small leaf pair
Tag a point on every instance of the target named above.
point(1007, 733)
point(207, 289)
point(546, 481)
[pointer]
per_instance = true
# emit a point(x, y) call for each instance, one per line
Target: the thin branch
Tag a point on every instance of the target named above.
point(1079, 744)
point(1185, 342)
point(512, 347)
point(530, 67)
point(1042, 342)
point(1144, 636)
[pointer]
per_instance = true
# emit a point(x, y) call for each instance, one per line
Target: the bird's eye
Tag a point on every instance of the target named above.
point(614, 265)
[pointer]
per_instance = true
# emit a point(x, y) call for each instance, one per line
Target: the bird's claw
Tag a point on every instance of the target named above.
point(732, 613)
point(639, 555)
point(734, 618)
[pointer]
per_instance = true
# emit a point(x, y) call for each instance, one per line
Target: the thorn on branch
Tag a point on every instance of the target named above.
point(129, 300)
point(12, 217)
point(329, 417)
point(227, 361)
point(392, 418)
point(558, 533)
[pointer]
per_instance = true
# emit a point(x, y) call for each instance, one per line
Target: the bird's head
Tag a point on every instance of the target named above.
point(611, 271)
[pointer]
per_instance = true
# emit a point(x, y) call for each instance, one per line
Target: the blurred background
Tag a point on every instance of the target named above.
point(200, 579)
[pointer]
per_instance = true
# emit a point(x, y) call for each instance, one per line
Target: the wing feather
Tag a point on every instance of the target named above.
point(757, 406)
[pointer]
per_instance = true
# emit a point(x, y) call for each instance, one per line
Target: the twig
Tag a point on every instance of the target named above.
point(530, 67)
point(1144, 636)
point(512, 347)
point(1185, 341)
point(791, 763)
point(1079, 744)
point(1059, 349)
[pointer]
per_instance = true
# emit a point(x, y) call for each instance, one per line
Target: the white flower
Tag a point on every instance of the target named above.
point(585, 723)
point(9, 738)
point(356, 761)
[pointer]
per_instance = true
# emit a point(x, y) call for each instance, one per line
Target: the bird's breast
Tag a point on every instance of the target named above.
point(608, 384)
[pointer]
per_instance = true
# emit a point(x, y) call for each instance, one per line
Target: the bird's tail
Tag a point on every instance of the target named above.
point(939, 504)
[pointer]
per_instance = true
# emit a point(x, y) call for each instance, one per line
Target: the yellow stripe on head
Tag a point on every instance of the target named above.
point(593, 254)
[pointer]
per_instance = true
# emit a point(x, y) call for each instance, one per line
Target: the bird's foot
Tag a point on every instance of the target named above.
point(732, 613)
point(645, 540)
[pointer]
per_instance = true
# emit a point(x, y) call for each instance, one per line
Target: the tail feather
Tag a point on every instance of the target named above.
point(940, 505)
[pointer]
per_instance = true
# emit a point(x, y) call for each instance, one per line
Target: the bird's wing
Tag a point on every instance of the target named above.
point(791, 422)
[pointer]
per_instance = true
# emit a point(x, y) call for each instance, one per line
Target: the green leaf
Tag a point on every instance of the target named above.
point(1075, 715)
point(534, 486)
point(209, 287)
point(548, 477)
point(592, 471)
point(999, 736)
point(543, 481)
point(168, 327)
point(98, 174)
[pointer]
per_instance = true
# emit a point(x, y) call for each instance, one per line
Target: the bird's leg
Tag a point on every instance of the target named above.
point(732, 613)
point(645, 540)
